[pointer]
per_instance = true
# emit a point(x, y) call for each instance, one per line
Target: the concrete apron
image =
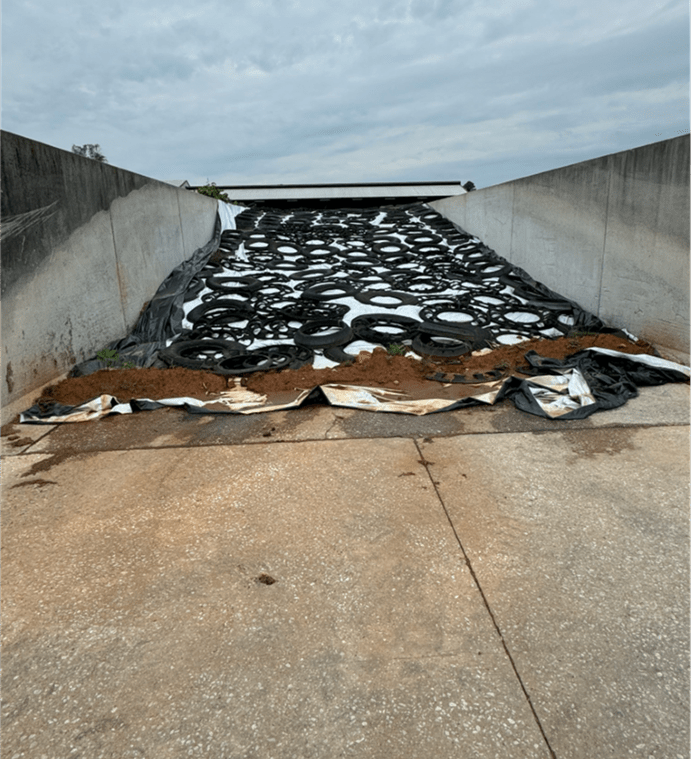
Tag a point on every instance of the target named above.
point(480, 583)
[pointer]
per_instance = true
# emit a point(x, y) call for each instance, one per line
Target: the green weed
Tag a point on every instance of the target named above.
point(213, 192)
point(111, 358)
point(397, 350)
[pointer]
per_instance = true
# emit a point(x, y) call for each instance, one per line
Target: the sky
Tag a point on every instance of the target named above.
point(311, 91)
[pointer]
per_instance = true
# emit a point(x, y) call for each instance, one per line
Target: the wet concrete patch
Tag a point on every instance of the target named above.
point(18, 438)
point(666, 405)
point(599, 441)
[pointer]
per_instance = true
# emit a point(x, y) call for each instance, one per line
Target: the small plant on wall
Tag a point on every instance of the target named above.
point(213, 192)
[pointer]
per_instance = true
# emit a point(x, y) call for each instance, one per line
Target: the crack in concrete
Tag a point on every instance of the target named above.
point(336, 420)
point(435, 484)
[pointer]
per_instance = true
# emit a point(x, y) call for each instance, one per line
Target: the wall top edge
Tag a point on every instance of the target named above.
point(680, 138)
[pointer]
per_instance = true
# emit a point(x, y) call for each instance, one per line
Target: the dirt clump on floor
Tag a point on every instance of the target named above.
point(376, 369)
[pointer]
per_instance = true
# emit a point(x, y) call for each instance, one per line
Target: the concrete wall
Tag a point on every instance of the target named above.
point(611, 233)
point(84, 246)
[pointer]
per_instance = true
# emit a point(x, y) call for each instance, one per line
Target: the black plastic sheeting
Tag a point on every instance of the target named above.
point(349, 245)
point(613, 380)
point(322, 281)
point(161, 320)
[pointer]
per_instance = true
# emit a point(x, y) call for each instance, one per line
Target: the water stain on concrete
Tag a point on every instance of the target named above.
point(609, 441)
point(54, 459)
point(38, 482)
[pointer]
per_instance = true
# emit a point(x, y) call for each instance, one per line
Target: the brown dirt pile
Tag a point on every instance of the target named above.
point(378, 369)
point(126, 384)
point(373, 370)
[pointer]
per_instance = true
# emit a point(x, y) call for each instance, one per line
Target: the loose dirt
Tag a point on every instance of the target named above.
point(376, 369)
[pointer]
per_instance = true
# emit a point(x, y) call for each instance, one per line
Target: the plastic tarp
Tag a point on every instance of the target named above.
point(446, 270)
point(593, 380)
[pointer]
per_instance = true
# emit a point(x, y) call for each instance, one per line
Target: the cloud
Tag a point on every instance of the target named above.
point(303, 91)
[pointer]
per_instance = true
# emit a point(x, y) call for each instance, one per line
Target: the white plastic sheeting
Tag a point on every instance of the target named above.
point(557, 395)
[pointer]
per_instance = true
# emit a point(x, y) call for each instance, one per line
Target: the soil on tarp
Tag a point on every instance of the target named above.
point(376, 369)
point(126, 384)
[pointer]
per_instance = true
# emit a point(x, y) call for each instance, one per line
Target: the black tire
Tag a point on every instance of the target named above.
point(199, 354)
point(244, 363)
point(312, 274)
point(465, 332)
point(286, 356)
point(325, 291)
point(288, 266)
point(309, 310)
point(442, 347)
point(216, 307)
point(220, 331)
point(422, 238)
point(371, 327)
point(383, 247)
point(230, 284)
point(405, 299)
point(339, 354)
point(306, 337)
point(273, 328)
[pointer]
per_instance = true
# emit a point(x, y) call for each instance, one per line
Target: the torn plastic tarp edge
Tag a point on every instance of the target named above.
point(613, 378)
point(608, 391)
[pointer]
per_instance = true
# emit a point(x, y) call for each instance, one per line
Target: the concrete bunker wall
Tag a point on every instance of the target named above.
point(611, 233)
point(84, 246)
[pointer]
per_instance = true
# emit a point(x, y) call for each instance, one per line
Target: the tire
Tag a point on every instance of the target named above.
point(243, 363)
point(309, 310)
point(219, 331)
point(273, 328)
point(236, 309)
point(338, 354)
point(199, 354)
point(305, 335)
point(286, 356)
point(230, 285)
point(324, 291)
point(383, 247)
point(405, 299)
point(442, 347)
point(464, 332)
point(368, 327)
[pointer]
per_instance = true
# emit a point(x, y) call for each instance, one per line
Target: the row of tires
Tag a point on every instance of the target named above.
point(330, 335)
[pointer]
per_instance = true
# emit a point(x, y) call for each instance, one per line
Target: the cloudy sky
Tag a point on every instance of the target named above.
point(283, 91)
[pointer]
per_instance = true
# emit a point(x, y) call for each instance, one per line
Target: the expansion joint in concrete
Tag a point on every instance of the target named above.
point(117, 269)
point(598, 310)
point(434, 484)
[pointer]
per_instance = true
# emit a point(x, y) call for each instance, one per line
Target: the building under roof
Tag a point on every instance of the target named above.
point(340, 195)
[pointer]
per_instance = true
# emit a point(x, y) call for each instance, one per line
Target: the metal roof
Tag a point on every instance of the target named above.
point(344, 191)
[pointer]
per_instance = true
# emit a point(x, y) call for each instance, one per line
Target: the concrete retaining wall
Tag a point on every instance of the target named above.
point(84, 246)
point(611, 233)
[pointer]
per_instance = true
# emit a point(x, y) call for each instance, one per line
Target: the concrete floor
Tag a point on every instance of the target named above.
point(327, 582)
